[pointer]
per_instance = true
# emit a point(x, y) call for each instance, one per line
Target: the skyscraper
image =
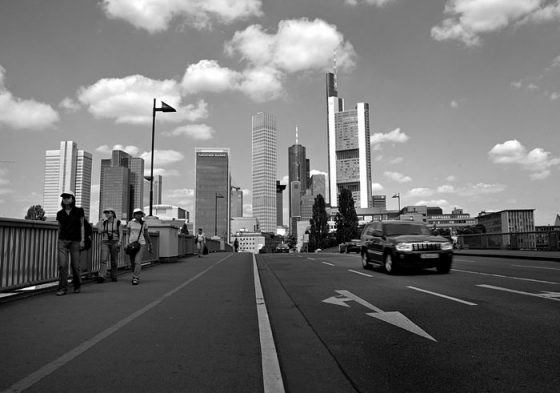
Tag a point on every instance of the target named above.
point(212, 191)
point(297, 169)
point(66, 169)
point(280, 203)
point(349, 148)
point(264, 160)
point(317, 185)
point(121, 184)
point(158, 179)
point(236, 202)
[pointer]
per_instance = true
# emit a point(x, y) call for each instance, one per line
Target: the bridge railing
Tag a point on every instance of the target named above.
point(541, 240)
point(28, 251)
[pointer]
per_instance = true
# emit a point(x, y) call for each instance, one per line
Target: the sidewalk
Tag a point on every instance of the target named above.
point(518, 254)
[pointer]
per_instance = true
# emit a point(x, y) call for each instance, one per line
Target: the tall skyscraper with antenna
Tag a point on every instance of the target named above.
point(297, 172)
point(349, 149)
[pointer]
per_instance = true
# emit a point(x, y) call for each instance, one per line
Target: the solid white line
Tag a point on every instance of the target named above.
point(360, 273)
point(463, 260)
point(272, 377)
point(542, 296)
point(51, 367)
point(537, 267)
point(502, 276)
point(328, 263)
point(443, 296)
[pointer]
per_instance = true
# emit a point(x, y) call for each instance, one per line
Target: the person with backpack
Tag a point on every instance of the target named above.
point(137, 233)
point(111, 234)
point(71, 239)
point(200, 240)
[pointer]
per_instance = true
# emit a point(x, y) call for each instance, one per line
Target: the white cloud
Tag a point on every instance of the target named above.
point(397, 177)
point(420, 192)
point(201, 132)
point(446, 188)
point(376, 187)
point(24, 114)
point(298, 45)
point(130, 100)
point(317, 172)
point(395, 136)
point(536, 161)
point(433, 202)
point(182, 197)
point(105, 149)
point(451, 178)
point(396, 160)
point(554, 96)
point(262, 84)
point(377, 3)
point(162, 157)
point(517, 84)
point(209, 76)
point(469, 19)
point(155, 16)
point(454, 104)
point(69, 104)
point(477, 189)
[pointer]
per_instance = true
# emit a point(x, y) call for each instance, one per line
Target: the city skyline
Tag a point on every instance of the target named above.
point(463, 95)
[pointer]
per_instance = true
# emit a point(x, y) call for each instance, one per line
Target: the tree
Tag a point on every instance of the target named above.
point(319, 224)
point(346, 219)
point(35, 213)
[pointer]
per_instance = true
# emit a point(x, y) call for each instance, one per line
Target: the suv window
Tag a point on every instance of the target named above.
point(405, 229)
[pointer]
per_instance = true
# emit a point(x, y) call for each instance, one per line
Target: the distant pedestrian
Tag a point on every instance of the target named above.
point(138, 232)
point(236, 244)
point(111, 233)
point(71, 235)
point(200, 240)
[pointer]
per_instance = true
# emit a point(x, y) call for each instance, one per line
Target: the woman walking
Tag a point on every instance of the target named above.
point(71, 239)
point(138, 232)
point(200, 240)
point(111, 234)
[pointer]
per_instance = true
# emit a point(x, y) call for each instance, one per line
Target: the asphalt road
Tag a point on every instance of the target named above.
point(491, 325)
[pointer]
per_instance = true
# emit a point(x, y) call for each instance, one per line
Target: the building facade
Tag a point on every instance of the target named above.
point(212, 191)
point(236, 202)
point(297, 169)
point(66, 169)
point(318, 185)
point(280, 203)
point(349, 148)
point(121, 184)
point(264, 159)
point(157, 189)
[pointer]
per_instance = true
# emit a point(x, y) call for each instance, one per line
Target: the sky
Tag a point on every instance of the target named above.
point(464, 95)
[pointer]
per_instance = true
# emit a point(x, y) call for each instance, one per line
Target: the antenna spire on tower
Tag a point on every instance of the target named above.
point(297, 135)
point(334, 69)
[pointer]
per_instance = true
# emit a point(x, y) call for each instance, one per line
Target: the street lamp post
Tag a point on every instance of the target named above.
point(164, 108)
point(216, 213)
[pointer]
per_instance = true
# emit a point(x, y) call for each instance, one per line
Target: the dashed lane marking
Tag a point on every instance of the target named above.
point(360, 273)
point(328, 263)
point(444, 296)
point(544, 295)
point(502, 276)
point(537, 267)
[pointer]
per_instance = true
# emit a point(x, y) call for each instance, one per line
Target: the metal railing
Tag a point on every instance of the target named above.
point(545, 241)
point(28, 252)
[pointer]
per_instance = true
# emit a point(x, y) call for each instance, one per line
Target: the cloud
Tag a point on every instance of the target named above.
point(299, 45)
point(477, 189)
point(451, 178)
point(454, 104)
point(420, 192)
point(155, 16)
point(446, 188)
point(23, 114)
point(69, 104)
point(397, 177)
point(536, 161)
point(376, 187)
point(377, 3)
point(467, 20)
point(395, 136)
point(200, 132)
point(433, 202)
point(182, 197)
point(209, 76)
point(105, 149)
point(130, 100)
point(162, 157)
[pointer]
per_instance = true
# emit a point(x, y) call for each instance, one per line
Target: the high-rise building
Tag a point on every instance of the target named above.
point(297, 170)
point(66, 169)
point(349, 148)
point(236, 202)
point(212, 191)
point(379, 202)
point(264, 159)
point(121, 184)
point(280, 203)
point(307, 202)
point(317, 185)
point(157, 187)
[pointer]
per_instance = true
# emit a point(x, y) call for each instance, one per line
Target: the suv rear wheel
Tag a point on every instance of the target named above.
point(389, 264)
point(365, 262)
point(444, 267)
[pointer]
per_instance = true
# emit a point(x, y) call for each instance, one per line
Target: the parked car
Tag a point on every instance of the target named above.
point(348, 247)
point(282, 248)
point(404, 244)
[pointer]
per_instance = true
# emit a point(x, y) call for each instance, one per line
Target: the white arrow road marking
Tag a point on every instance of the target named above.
point(545, 295)
point(443, 296)
point(392, 317)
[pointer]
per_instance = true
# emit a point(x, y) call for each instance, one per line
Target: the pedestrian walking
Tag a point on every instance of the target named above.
point(200, 241)
point(236, 244)
point(111, 236)
point(71, 239)
point(138, 233)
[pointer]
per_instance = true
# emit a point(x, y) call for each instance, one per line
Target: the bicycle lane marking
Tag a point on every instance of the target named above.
point(51, 367)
